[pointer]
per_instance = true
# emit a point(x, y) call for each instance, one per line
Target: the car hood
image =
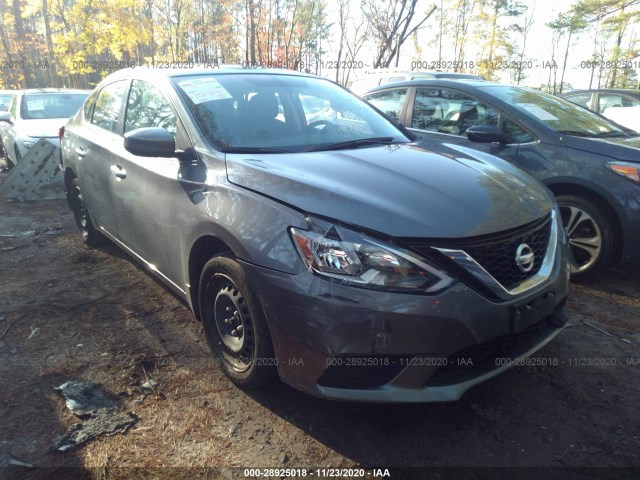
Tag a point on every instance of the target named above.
point(398, 190)
point(622, 148)
point(41, 127)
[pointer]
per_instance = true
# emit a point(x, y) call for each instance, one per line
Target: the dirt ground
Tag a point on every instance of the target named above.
point(69, 312)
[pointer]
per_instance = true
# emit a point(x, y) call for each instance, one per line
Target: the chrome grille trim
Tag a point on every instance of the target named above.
point(469, 264)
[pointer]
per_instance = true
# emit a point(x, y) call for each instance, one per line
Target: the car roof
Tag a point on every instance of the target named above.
point(153, 73)
point(30, 91)
point(604, 90)
point(439, 82)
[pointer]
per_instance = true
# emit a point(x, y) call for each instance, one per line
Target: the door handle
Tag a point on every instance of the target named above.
point(119, 172)
point(80, 152)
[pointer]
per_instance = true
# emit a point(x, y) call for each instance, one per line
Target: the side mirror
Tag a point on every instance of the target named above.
point(5, 117)
point(486, 134)
point(150, 142)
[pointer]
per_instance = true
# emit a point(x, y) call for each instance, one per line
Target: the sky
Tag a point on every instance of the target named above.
point(539, 46)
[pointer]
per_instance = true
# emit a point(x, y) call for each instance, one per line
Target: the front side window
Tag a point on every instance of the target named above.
point(516, 134)
point(106, 113)
point(147, 107)
point(449, 111)
point(390, 102)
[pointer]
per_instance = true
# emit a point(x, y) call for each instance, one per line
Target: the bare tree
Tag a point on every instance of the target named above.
point(392, 25)
point(524, 30)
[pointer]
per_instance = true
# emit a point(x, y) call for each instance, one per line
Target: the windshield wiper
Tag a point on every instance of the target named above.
point(362, 142)
point(610, 134)
point(253, 150)
point(576, 133)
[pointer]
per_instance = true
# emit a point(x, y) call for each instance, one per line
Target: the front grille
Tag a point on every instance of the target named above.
point(498, 258)
point(496, 253)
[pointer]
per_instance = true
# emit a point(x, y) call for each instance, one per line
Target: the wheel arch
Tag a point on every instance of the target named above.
point(601, 201)
point(203, 249)
point(69, 175)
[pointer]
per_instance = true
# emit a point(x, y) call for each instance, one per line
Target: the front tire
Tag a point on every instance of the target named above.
point(90, 235)
point(590, 235)
point(235, 325)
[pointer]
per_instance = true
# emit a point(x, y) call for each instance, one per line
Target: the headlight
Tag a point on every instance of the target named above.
point(350, 257)
point(629, 170)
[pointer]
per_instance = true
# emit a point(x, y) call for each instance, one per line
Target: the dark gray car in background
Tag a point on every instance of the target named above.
point(591, 165)
point(331, 251)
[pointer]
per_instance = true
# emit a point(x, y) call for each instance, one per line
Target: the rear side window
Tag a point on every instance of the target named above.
point(147, 107)
point(106, 113)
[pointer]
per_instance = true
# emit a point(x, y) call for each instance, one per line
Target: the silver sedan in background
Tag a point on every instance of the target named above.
point(34, 114)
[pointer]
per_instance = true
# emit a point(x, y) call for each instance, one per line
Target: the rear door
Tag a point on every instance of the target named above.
point(96, 146)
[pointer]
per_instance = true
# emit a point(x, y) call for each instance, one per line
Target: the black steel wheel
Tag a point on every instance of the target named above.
point(235, 325)
point(90, 235)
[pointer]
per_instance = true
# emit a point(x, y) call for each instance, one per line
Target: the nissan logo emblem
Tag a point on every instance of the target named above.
point(524, 257)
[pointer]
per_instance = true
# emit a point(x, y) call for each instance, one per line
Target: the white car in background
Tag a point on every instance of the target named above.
point(34, 114)
point(627, 116)
point(617, 104)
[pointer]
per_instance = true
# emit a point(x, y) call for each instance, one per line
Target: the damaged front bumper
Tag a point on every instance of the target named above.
point(341, 342)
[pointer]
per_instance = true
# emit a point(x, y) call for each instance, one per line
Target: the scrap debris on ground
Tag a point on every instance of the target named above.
point(102, 412)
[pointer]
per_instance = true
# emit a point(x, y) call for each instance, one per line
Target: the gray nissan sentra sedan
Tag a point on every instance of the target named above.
point(325, 248)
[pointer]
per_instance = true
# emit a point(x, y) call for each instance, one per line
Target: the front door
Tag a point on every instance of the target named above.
point(146, 192)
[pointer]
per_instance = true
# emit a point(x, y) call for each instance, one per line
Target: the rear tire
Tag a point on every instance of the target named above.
point(235, 325)
point(90, 235)
point(5, 156)
point(590, 235)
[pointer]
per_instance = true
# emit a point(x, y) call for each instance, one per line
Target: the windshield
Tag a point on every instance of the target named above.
point(50, 105)
point(553, 112)
point(276, 113)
